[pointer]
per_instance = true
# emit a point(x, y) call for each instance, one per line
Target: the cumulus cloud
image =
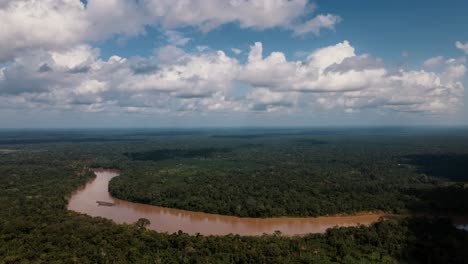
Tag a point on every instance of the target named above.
point(75, 57)
point(272, 71)
point(263, 99)
point(58, 24)
point(342, 79)
point(218, 102)
point(188, 76)
point(111, 17)
point(434, 62)
point(176, 38)
point(258, 14)
point(316, 24)
point(48, 24)
point(409, 91)
point(332, 77)
point(462, 46)
point(330, 69)
point(168, 54)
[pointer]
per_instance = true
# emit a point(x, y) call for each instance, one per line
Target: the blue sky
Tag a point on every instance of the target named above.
point(383, 28)
point(147, 64)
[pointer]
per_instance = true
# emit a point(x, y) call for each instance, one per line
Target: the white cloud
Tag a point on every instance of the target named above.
point(188, 75)
point(169, 54)
point(258, 14)
point(274, 70)
point(316, 24)
point(116, 17)
point(462, 46)
point(216, 102)
point(340, 78)
point(176, 38)
point(454, 61)
point(434, 62)
point(263, 99)
point(324, 57)
point(71, 58)
point(314, 74)
point(236, 51)
point(47, 24)
point(58, 24)
point(91, 87)
point(332, 78)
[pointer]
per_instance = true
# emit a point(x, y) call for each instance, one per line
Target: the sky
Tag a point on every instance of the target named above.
point(233, 63)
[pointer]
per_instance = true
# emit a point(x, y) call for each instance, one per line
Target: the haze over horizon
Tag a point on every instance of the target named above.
point(238, 63)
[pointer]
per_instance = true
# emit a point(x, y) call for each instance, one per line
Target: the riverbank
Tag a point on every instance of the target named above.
point(170, 220)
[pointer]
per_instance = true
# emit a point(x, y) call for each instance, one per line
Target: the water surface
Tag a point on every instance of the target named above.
point(84, 200)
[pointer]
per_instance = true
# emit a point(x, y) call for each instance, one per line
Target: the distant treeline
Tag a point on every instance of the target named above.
point(163, 154)
point(61, 140)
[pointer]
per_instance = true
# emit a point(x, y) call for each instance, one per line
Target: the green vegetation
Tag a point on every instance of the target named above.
point(35, 226)
point(164, 154)
point(300, 174)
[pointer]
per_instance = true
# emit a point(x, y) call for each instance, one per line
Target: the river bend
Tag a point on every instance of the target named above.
point(84, 200)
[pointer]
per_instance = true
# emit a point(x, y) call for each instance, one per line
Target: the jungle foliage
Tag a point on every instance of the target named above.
point(301, 174)
point(36, 179)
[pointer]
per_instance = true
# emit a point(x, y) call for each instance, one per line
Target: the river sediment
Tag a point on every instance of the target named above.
point(89, 198)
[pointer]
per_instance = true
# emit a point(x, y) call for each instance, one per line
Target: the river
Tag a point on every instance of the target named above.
point(84, 200)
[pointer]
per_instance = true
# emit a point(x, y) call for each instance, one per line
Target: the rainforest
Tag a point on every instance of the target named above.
point(420, 174)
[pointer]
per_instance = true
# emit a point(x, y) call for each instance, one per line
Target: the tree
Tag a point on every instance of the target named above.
point(142, 223)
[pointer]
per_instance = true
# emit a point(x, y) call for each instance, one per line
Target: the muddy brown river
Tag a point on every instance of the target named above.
point(84, 200)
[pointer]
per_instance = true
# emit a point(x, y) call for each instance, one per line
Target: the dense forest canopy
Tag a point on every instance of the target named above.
point(304, 173)
point(315, 172)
